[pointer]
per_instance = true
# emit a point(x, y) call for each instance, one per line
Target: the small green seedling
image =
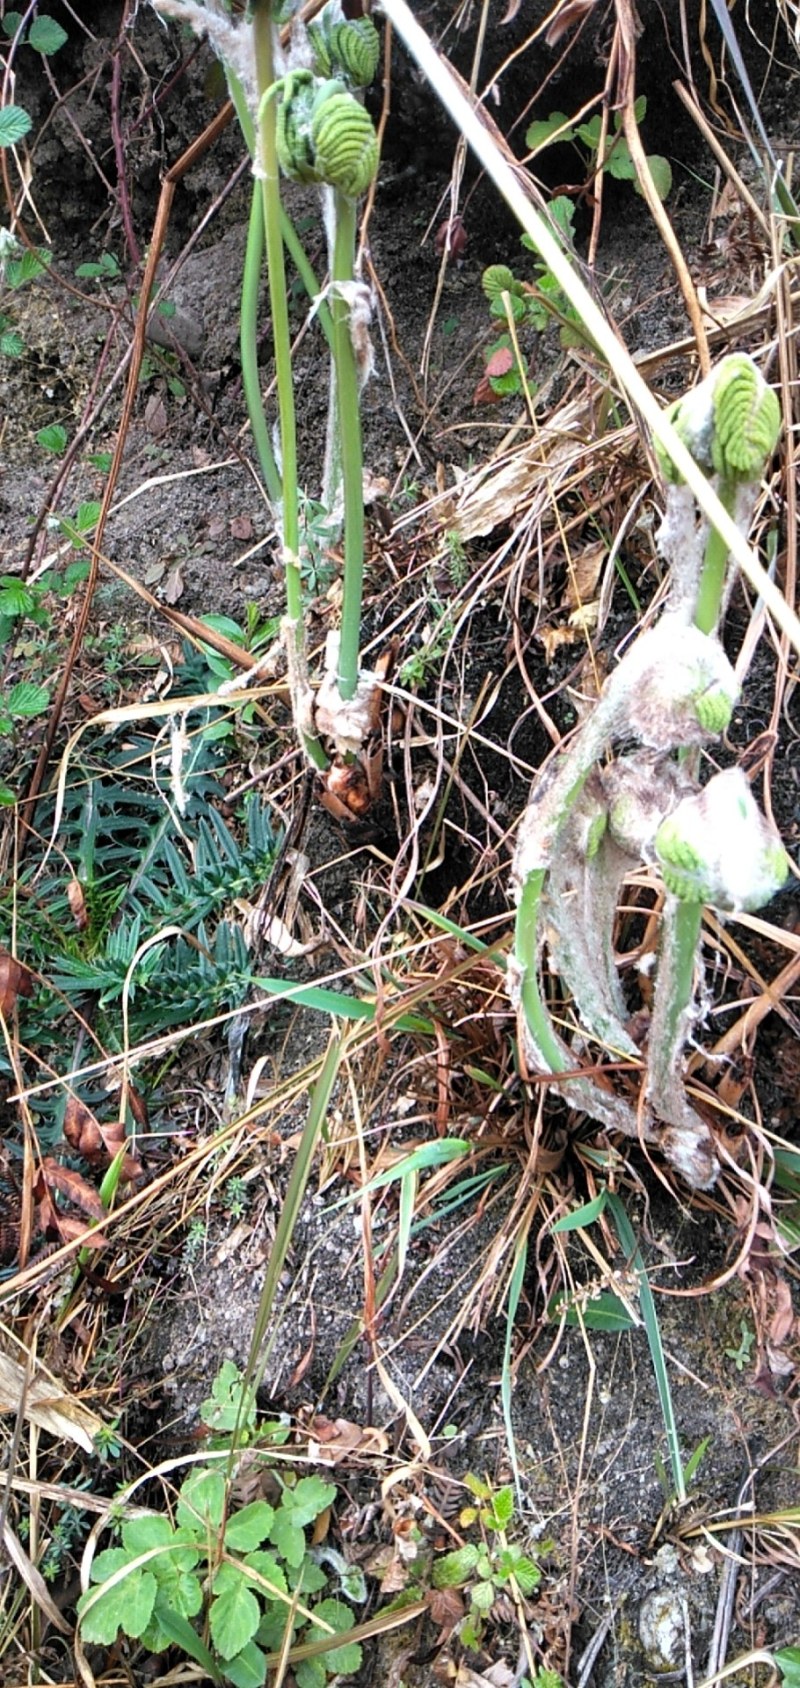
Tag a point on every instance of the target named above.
point(19, 266)
point(492, 1567)
point(229, 1585)
point(45, 35)
point(616, 160)
point(528, 305)
point(741, 1355)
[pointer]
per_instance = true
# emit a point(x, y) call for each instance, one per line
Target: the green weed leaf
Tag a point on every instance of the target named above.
point(582, 1216)
point(528, 1575)
point(176, 1629)
point(15, 598)
point(14, 125)
point(234, 1615)
point(620, 165)
point(34, 261)
point(46, 36)
point(10, 23)
point(12, 344)
point(267, 1568)
point(482, 1596)
point(201, 1504)
point(604, 1312)
point(502, 1509)
point(541, 133)
point(454, 1569)
point(339, 1661)
point(661, 172)
point(53, 438)
point(140, 1534)
point(788, 1661)
point(247, 1529)
point(229, 1403)
point(128, 1606)
point(26, 699)
point(248, 1668)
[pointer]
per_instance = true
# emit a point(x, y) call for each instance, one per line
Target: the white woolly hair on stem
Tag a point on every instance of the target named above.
point(437, 72)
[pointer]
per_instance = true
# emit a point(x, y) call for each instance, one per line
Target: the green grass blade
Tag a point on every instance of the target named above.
point(409, 1184)
point(582, 1216)
point(334, 1002)
point(514, 1293)
point(630, 1246)
point(301, 1171)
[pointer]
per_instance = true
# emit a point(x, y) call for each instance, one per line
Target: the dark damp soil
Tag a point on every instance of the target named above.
point(190, 520)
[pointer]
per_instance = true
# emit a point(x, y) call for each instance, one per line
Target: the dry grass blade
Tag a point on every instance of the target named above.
point(46, 1402)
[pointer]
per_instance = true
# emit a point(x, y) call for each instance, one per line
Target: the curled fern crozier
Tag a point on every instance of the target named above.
point(747, 419)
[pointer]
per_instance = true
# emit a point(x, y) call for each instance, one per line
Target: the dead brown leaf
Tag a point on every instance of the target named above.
point(155, 416)
point(571, 12)
point(97, 1143)
point(73, 1186)
point(241, 527)
point(172, 589)
point(583, 573)
point(15, 980)
point(77, 904)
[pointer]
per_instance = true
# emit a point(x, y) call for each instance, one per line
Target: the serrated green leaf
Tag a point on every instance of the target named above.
point(14, 125)
point(46, 36)
point(12, 344)
point(248, 1669)
point(482, 1596)
point(87, 516)
point(140, 1534)
point(527, 1574)
point(268, 1570)
point(201, 1503)
point(26, 699)
point(230, 1403)
point(502, 1507)
point(288, 1537)
point(312, 1578)
point(452, 1570)
point(233, 1618)
point(53, 438)
point(10, 23)
point(247, 1529)
point(34, 261)
point(343, 1660)
point(310, 1673)
point(15, 598)
point(308, 1498)
point(128, 1606)
point(540, 133)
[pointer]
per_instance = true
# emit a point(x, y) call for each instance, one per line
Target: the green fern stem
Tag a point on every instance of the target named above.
point(715, 563)
point(282, 344)
point(270, 190)
point(248, 345)
point(680, 940)
point(526, 953)
point(349, 423)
